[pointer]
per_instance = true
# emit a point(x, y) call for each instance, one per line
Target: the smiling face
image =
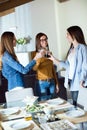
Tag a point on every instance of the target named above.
point(43, 41)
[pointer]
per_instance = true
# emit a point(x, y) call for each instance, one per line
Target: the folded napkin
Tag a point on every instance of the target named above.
point(30, 100)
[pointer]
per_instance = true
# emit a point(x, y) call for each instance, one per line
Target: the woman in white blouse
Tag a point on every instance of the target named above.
point(75, 63)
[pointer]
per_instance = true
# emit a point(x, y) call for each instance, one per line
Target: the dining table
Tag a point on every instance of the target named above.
point(9, 116)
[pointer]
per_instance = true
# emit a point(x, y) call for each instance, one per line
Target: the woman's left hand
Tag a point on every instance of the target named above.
point(57, 89)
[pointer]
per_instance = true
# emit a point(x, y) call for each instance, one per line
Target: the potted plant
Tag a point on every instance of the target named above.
point(22, 43)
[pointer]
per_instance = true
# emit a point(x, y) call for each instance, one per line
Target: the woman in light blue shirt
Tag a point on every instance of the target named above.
point(76, 62)
point(12, 70)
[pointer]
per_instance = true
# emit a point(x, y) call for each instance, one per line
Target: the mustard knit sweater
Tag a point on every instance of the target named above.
point(45, 69)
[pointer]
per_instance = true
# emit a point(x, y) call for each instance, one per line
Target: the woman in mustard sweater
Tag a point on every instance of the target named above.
point(46, 75)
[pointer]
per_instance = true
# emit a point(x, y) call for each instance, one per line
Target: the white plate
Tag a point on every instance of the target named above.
point(9, 111)
point(75, 113)
point(56, 101)
point(20, 125)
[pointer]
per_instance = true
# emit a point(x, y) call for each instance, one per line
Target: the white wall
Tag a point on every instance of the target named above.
point(72, 12)
point(19, 22)
point(50, 17)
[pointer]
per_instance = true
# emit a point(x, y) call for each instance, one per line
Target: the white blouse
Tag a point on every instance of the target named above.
point(71, 58)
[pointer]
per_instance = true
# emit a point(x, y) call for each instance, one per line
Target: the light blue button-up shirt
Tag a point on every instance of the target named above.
point(80, 69)
point(13, 71)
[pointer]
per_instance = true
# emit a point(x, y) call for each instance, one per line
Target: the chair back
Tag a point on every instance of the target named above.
point(82, 97)
point(15, 97)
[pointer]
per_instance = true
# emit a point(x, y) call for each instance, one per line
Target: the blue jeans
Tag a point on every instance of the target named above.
point(74, 95)
point(45, 89)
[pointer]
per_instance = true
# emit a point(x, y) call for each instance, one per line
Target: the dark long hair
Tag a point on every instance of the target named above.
point(77, 33)
point(37, 40)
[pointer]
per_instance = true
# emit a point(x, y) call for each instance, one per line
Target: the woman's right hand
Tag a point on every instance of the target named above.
point(38, 55)
point(51, 57)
